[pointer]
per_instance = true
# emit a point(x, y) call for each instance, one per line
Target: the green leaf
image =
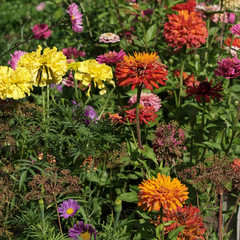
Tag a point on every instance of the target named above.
point(22, 179)
point(151, 33)
point(129, 197)
point(148, 153)
point(173, 234)
point(213, 145)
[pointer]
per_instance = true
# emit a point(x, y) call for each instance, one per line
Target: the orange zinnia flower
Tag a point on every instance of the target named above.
point(190, 218)
point(236, 165)
point(162, 193)
point(142, 68)
point(185, 29)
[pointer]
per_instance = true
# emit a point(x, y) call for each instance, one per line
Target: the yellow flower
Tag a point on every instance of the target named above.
point(46, 68)
point(14, 84)
point(91, 70)
point(162, 193)
point(232, 4)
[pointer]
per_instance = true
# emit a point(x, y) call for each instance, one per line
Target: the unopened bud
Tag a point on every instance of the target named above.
point(196, 57)
point(170, 61)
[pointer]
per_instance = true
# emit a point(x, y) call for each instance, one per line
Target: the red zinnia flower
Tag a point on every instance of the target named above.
point(190, 218)
point(188, 80)
point(142, 68)
point(185, 29)
point(236, 165)
point(146, 114)
point(204, 91)
point(189, 6)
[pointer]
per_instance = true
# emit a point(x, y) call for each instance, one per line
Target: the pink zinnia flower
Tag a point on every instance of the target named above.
point(40, 6)
point(147, 99)
point(236, 29)
point(41, 31)
point(69, 52)
point(15, 58)
point(228, 68)
point(76, 18)
point(69, 82)
point(111, 57)
point(109, 38)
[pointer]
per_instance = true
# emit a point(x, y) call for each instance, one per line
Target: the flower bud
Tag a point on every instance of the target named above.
point(170, 61)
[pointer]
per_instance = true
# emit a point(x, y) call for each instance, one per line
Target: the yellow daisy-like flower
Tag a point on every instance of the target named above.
point(232, 4)
point(162, 193)
point(46, 68)
point(91, 70)
point(14, 84)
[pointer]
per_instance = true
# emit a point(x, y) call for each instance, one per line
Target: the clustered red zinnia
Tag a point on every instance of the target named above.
point(189, 6)
point(141, 68)
point(111, 57)
point(185, 29)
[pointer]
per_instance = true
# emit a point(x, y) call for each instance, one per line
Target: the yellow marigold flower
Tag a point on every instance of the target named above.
point(46, 68)
point(162, 192)
point(91, 70)
point(232, 4)
point(14, 84)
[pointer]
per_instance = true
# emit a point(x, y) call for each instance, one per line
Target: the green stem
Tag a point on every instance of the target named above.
point(43, 105)
point(207, 42)
point(181, 84)
point(59, 220)
point(137, 117)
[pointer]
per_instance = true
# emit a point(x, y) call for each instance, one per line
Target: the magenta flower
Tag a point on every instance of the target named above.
point(111, 57)
point(109, 38)
point(236, 29)
point(147, 99)
point(41, 31)
point(40, 6)
point(80, 230)
point(15, 58)
point(69, 52)
point(228, 68)
point(76, 18)
point(68, 208)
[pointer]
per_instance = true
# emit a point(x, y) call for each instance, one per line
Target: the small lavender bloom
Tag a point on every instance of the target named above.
point(68, 208)
point(228, 68)
point(90, 114)
point(40, 6)
point(85, 232)
point(76, 18)
point(111, 57)
point(15, 58)
point(58, 87)
point(236, 29)
point(109, 38)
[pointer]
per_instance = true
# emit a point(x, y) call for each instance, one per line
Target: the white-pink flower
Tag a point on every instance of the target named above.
point(109, 38)
point(76, 18)
point(40, 6)
point(147, 99)
point(15, 58)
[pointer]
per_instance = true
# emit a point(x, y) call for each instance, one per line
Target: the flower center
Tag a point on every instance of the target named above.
point(73, 17)
point(85, 235)
point(70, 211)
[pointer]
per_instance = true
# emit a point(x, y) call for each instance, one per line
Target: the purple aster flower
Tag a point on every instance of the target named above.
point(15, 58)
point(228, 68)
point(58, 87)
point(236, 29)
point(85, 232)
point(90, 114)
point(76, 18)
point(109, 38)
point(111, 57)
point(68, 208)
point(147, 99)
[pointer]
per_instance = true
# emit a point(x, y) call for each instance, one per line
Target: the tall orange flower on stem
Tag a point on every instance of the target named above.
point(162, 192)
point(142, 68)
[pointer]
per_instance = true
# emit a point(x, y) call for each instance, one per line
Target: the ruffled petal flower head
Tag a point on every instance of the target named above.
point(76, 18)
point(185, 29)
point(46, 68)
point(141, 68)
point(14, 84)
point(40, 6)
point(231, 4)
point(236, 29)
point(109, 38)
point(187, 216)
point(91, 70)
point(228, 68)
point(205, 91)
point(68, 208)
point(188, 80)
point(15, 58)
point(147, 99)
point(235, 45)
point(146, 114)
point(83, 231)
point(40, 31)
point(189, 6)
point(73, 52)
point(111, 57)
point(236, 165)
point(162, 192)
